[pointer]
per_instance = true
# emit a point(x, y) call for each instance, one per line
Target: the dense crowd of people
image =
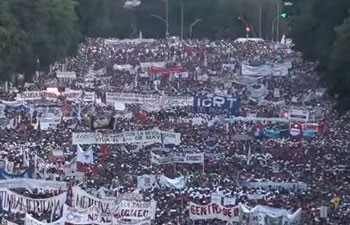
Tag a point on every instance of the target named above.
point(234, 154)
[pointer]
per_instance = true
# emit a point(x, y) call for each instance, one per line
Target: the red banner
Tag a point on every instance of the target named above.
point(157, 70)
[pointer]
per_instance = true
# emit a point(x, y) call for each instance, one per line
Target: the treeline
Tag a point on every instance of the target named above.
point(35, 33)
point(321, 30)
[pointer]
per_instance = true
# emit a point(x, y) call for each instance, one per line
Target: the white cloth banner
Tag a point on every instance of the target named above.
point(183, 158)
point(276, 185)
point(29, 220)
point(261, 214)
point(72, 95)
point(146, 65)
point(19, 203)
point(177, 183)
point(152, 136)
point(146, 182)
point(214, 211)
point(281, 69)
point(89, 96)
point(85, 216)
point(31, 184)
point(85, 157)
point(135, 210)
point(298, 115)
point(149, 99)
point(263, 70)
point(84, 200)
point(66, 75)
point(36, 95)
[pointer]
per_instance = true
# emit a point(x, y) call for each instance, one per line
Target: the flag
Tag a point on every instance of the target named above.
point(85, 157)
point(104, 151)
point(25, 156)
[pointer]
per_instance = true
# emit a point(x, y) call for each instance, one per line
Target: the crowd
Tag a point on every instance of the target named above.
point(235, 155)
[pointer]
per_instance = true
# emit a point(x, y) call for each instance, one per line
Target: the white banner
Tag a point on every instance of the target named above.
point(177, 183)
point(19, 203)
point(72, 95)
point(146, 182)
point(263, 70)
point(84, 200)
point(298, 115)
point(281, 69)
point(276, 185)
point(89, 96)
point(150, 136)
point(265, 215)
point(29, 220)
point(36, 95)
point(135, 210)
point(134, 98)
point(66, 75)
point(85, 216)
point(146, 65)
point(31, 184)
point(184, 158)
point(214, 211)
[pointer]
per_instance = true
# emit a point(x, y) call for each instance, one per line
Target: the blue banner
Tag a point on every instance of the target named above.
point(26, 174)
point(215, 104)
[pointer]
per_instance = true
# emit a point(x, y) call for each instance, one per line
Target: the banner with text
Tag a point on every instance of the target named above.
point(149, 136)
point(214, 211)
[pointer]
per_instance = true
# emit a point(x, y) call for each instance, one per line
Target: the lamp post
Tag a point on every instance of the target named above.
point(193, 24)
point(182, 19)
point(163, 20)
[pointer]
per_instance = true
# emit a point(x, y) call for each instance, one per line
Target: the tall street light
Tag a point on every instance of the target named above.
point(163, 20)
point(182, 19)
point(193, 24)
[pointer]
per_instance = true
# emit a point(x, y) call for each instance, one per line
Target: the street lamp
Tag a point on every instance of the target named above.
point(182, 19)
point(163, 20)
point(193, 24)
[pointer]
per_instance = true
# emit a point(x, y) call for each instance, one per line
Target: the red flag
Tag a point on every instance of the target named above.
point(142, 116)
point(104, 151)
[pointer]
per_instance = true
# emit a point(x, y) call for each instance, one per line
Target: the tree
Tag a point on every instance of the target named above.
point(11, 42)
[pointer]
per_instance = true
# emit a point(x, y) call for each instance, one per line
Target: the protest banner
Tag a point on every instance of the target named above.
point(298, 115)
point(262, 214)
point(146, 65)
point(87, 216)
point(214, 211)
point(72, 95)
point(146, 182)
point(32, 184)
point(129, 137)
point(4, 175)
point(84, 200)
point(89, 96)
point(10, 200)
point(263, 70)
point(36, 95)
point(136, 98)
point(7, 222)
point(29, 220)
point(66, 75)
point(135, 210)
point(276, 185)
point(183, 158)
point(214, 103)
